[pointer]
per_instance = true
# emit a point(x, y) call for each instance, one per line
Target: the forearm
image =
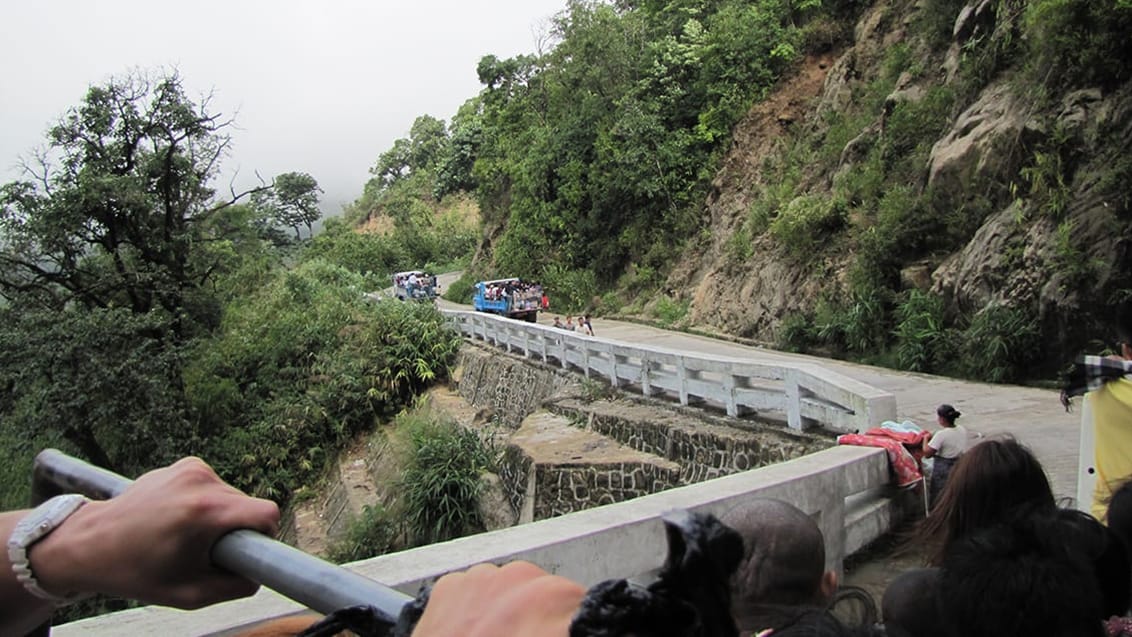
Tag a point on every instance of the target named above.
point(20, 611)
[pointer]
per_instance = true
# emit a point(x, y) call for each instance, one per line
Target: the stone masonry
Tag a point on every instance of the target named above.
point(568, 453)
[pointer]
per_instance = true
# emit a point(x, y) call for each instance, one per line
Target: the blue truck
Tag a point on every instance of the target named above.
point(513, 298)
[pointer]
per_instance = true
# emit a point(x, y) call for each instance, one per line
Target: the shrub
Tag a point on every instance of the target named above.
point(920, 331)
point(805, 222)
point(462, 289)
point(372, 533)
point(795, 332)
point(999, 344)
point(669, 312)
point(442, 483)
point(569, 290)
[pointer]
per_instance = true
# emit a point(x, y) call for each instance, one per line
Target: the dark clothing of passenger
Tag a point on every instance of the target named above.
point(940, 471)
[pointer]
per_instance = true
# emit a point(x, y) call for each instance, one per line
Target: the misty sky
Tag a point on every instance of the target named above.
point(319, 86)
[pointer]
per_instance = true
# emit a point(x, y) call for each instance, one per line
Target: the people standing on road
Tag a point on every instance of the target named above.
point(558, 323)
point(587, 326)
point(569, 326)
point(945, 446)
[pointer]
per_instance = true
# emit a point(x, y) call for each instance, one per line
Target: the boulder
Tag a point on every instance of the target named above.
point(984, 144)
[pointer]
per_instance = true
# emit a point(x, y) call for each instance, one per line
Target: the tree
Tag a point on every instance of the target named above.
point(111, 252)
point(111, 212)
point(292, 201)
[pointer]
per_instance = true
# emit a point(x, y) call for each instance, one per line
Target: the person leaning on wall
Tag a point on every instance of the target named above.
point(945, 447)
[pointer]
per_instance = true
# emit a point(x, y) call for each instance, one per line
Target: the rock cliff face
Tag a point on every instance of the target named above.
point(1052, 235)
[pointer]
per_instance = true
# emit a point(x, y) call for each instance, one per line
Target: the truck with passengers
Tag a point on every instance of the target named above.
point(513, 298)
point(415, 285)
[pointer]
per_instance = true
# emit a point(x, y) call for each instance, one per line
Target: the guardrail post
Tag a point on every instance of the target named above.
point(614, 379)
point(682, 379)
point(646, 381)
point(793, 400)
point(729, 394)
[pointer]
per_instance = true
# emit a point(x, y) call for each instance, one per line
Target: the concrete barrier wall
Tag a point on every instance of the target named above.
point(843, 488)
point(798, 393)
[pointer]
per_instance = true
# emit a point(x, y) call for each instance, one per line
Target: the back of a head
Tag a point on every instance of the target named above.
point(819, 623)
point(910, 605)
point(783, 557)
point(1031, 575)
point(988, 482)
point(1119, 516)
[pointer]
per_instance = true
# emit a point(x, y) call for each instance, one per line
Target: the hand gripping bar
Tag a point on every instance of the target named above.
point(313, 582)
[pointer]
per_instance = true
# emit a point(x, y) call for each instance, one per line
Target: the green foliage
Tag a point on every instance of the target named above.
point(442, 483)
point(921, 333)
point(594, 390)
point(371, 255)
point(372, 533)
point(292, 201)
point(805, 224)
point(597, 155)
point(462, 289)
point(936, 19)
point(115, 214)
point(1070, 260)
point(796, 333)
point(1078, 42)
point(999, 345)
point(669, 312)
point(301, 367)
point(569, 290)
point(1047, 176)
point(65, 375)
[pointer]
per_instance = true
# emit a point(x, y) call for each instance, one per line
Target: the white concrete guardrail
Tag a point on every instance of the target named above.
point(845, 489)
point(802, 393)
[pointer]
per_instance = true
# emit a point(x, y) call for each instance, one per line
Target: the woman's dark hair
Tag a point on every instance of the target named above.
point(948, 413)
point(1034, 574)
point(1119, 514)
point(986, 485)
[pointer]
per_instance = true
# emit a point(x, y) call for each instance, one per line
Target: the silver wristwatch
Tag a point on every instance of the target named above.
point(34, 527)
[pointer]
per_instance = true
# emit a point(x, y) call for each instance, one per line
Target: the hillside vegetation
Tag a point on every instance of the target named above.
point(937, 185)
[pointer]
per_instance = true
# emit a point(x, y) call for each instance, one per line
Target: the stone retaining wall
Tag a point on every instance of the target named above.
point(696, 446)
point(564, 489)
point(510, 387)
point(703, 449)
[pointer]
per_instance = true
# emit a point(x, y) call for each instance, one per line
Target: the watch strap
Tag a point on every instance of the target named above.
point(34, 527)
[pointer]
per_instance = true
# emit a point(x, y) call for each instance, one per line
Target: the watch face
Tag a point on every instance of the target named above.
point(46, 517)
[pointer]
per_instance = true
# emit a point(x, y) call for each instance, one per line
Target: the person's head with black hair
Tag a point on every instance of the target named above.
point(987, 483)
point(910, 605)
point(1123, 328)
point(1119, 513)
point(947, 415)
point(1033, 574)
point(815, 622)
point(783, 565)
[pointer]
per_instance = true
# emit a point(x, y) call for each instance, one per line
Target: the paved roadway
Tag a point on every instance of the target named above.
point(1033, 416)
